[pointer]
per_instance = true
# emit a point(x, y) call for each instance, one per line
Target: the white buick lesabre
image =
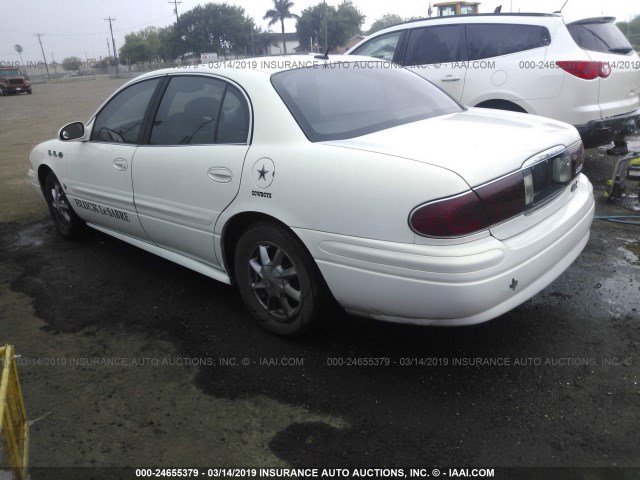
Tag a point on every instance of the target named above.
point(303, 180)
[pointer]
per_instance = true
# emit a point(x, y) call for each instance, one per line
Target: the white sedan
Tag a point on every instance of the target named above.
point(305, 180)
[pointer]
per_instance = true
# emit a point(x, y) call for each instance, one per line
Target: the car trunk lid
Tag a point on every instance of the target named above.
point(480, 145)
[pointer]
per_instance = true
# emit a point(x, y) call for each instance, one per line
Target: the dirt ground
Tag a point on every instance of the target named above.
point(130, 360)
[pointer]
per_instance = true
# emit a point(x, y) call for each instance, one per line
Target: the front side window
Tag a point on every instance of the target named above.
point(383, 47)
point(346, 101)
point(433, 45)
point(120, 121)
point(200, 111)
point(494, 40)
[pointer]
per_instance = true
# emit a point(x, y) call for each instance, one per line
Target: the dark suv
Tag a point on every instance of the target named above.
point(12, 80)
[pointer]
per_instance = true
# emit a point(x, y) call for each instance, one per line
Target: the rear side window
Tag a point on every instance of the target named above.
point(189, 111)
point(494, 40)
point(431, 45)
point(200, 111)
point(599, 37)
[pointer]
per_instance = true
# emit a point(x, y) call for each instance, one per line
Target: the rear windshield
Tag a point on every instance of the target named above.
point(351, 99)
point(602, 36)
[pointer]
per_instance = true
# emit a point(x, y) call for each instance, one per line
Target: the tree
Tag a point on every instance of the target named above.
point(72, 64)
point(171, 43)
point(18, 48)
point(349, 20)
point(219, 28)
point(632, 31)
point(340, 24)
point(385, 21)
point(143, 46)
point(279, 13)
point(104, 64)
point(264, 40)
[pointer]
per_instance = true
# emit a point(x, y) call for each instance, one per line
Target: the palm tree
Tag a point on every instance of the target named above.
point(18, 48)
point(279, 13)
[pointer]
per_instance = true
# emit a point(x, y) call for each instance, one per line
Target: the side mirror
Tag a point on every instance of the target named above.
point(73, 131)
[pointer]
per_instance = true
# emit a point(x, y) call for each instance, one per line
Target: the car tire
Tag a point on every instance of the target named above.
point(278, 281)
point(67, 222)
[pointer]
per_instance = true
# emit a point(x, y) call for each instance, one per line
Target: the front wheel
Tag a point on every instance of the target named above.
point(279, 283)
point(67, 222)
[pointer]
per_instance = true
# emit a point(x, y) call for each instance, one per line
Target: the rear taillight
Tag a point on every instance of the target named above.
point(576, 155)
point(450, 217)
point(472, 211)
point(502, 199)
point(586, 70)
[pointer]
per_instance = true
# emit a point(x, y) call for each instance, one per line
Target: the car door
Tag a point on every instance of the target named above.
point(439, 54)
point(190, 169)
point(98, 171)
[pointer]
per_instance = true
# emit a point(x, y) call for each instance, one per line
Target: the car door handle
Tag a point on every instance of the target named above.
point(120, 164)
point(220, 174)
point(450, 78)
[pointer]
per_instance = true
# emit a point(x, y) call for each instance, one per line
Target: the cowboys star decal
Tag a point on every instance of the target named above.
point(263, 173)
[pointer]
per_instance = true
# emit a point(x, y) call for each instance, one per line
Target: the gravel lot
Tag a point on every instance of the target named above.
point(130, 360)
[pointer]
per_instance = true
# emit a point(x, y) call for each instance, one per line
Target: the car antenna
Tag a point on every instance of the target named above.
point(323, 57)
point(498, 9)
point(565, 4)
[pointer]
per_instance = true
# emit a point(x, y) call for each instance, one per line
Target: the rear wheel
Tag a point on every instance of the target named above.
point(68, 224)
point(278, 281)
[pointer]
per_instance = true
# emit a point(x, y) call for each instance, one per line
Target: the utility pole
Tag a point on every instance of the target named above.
point(175, 10)
point(43, 55)
point(326, 21)
point(253, 45)
point(53, 64)
point(115, 53)
point(108, 47)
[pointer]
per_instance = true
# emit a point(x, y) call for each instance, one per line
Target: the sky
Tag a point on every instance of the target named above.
point(78, 27)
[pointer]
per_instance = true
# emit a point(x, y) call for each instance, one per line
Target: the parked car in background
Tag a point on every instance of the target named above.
point(584, 73)
point(12, 80)
point(302, 179)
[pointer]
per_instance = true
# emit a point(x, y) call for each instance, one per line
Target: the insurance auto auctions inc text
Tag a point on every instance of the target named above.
point(373, 473)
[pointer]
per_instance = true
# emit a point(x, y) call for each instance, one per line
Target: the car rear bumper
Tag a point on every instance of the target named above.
point(453, 285)
point(603, 131)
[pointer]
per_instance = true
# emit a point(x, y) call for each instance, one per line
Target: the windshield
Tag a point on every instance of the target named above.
point(346, 100)
point(10, 72)
point(599, 36)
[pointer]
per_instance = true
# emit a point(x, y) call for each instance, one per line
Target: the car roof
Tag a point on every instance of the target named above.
point(260, 66)
point(483, 15)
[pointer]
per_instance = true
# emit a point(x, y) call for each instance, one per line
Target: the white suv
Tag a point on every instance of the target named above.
point(584, 73)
